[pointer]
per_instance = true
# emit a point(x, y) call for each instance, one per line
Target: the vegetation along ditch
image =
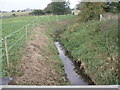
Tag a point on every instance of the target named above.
point(74, 74)
point(93, 47)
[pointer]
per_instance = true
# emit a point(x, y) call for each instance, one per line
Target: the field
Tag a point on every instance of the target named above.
point(14, 29)
point(10, 14)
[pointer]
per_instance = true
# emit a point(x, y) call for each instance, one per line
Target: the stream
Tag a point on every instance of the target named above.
point(70, 69)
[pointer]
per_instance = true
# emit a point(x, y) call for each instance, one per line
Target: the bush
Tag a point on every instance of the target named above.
point(14, 15)
point(37, 12)
point(112, 7)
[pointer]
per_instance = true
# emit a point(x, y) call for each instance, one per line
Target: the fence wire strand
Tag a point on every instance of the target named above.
point(16, 42)
point(1, 49)
point(2, 56)
point(31, 26)
point(15, 32)
point(1, 40)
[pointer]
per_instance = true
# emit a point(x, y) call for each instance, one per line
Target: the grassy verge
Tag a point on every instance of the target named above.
point(95, 45)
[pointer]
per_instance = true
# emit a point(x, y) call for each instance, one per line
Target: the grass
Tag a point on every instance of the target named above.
point(50, 30)
point(0, 46)
point(12, 24)
point(53, 54)
point(94, 44)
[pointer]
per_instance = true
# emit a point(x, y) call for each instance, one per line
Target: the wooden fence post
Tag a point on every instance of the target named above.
point(101, 17)
point(48, 18)
point(7, 54)
point(57, 17)
point(36, 22)
point(26, 32)
point(33, 25)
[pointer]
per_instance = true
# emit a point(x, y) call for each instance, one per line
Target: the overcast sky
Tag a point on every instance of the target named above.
point(8, 5)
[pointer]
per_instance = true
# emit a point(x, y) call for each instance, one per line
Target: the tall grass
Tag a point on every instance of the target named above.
point(95, 45)
point(0, 46)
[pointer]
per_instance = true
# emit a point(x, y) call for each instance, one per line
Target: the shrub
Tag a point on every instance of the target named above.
point(14, 15)
point(37, 12)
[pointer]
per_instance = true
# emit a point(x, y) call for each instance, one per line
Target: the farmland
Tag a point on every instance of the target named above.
point(93, 44)
point(14, 29)
point(10, 14)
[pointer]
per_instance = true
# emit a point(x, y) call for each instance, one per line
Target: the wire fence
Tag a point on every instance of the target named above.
point(14, 43)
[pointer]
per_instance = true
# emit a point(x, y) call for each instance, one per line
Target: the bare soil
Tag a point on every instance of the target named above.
point(36, 68)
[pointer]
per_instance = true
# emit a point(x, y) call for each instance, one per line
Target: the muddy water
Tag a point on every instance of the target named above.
point(73, 77)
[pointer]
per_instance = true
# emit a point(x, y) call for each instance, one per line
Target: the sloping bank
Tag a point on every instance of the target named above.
point(94, 46)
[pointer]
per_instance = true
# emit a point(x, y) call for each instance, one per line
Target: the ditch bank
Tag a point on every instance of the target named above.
point(93, 45)
point(74, 70)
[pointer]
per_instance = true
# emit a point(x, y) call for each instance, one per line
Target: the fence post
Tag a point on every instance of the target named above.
point(57, 17)
point(36, 22)
point(101, 17)
point(33, 24)
point(7, 54)
point(26, 32)
point(48, 18)
point(109, 17)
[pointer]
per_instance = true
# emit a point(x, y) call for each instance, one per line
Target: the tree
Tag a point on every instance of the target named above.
point(48, 9)
point(90, 10)
point(112, 7)
point(18, 10)
point(60, 8)
point(13, 11)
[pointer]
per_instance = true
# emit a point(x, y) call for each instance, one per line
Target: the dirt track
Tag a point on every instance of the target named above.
point(36, 68)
